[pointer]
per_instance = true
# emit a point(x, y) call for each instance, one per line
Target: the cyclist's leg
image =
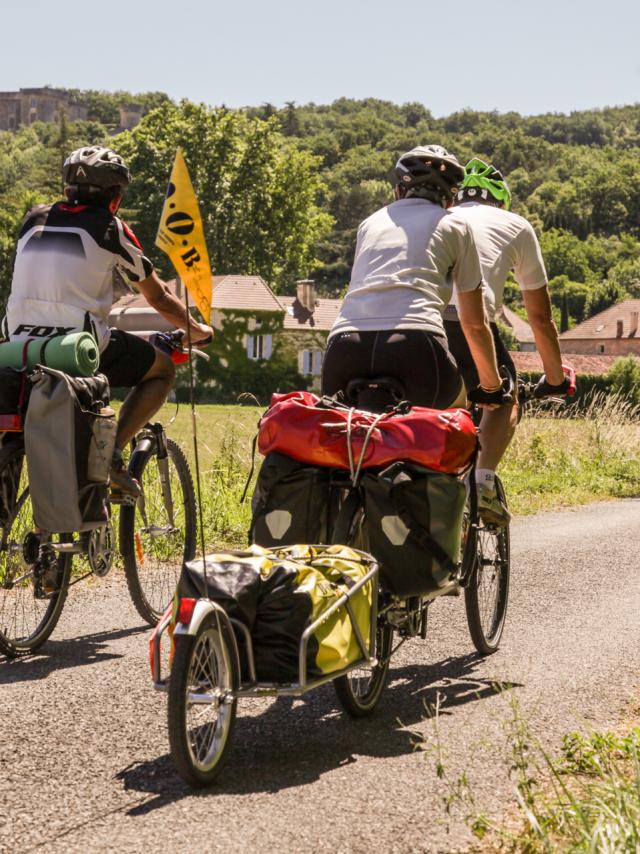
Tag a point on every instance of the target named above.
point(145, 398)
point(131, 362)
point(497, 426)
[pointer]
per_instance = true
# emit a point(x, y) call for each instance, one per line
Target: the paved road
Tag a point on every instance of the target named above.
point(83, 751)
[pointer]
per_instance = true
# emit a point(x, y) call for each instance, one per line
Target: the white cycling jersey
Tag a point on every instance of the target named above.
point(505, 242)
point(63, 273)
point(408, 257)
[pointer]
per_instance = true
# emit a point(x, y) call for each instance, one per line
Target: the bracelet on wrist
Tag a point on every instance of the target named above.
point(492, 389)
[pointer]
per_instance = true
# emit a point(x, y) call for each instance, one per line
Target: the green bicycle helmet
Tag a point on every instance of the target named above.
point(484, 183)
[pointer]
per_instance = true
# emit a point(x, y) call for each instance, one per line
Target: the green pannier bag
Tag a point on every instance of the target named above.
point(413, 525)
point(277, 594)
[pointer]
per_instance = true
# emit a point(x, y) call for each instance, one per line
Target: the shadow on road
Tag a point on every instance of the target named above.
point(61, 654)
point(296, 740)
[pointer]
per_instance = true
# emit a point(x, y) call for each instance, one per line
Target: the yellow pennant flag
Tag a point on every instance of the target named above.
point(181, 236)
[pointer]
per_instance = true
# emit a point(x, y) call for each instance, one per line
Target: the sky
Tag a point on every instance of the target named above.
point(531, 56)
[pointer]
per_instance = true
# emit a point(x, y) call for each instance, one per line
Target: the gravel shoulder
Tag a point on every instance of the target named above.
point(83, 754)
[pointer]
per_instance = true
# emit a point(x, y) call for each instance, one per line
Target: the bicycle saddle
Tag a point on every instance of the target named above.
point(375, 394)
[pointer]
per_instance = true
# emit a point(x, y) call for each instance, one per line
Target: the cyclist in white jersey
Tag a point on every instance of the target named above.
point(409, 255)
point(505, 242)
point(63, 281)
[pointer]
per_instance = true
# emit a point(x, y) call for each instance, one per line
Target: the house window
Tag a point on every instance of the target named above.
point(33, 116)
point(311, 362)
point(601, 348)
point(259, 347)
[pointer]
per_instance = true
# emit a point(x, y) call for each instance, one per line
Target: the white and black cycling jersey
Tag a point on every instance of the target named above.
point(64, 268)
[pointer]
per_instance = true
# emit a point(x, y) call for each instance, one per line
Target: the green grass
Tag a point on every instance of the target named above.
point(574, 458)
point(585, 799)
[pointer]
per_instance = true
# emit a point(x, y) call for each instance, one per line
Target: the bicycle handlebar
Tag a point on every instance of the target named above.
point(172, 343)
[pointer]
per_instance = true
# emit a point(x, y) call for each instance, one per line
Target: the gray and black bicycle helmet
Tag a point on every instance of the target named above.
point(428, 171)
point(97, 167)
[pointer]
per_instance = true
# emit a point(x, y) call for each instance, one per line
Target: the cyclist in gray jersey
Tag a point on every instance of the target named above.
point(409, 257)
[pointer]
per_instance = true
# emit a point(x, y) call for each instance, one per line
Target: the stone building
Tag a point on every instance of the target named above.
point(612, 332)
point(44, 104)
point(130, 115)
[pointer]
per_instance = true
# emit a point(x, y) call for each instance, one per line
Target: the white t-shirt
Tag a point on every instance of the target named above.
point(408, 257)
point(505, 241)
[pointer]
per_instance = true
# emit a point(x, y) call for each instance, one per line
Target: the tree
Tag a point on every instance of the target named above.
point(257, 192)
point(625, 377)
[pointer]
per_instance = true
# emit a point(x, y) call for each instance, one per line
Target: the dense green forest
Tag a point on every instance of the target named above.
point(283, 190)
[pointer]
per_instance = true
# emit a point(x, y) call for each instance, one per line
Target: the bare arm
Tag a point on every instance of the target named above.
point(479, 338)
point(538, 306)
point(158, 295)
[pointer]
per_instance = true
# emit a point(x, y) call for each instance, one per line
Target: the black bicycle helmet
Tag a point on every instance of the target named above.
point(429, 168)
point(95, 166)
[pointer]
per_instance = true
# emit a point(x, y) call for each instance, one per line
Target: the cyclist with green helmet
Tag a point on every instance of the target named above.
point(505, 242)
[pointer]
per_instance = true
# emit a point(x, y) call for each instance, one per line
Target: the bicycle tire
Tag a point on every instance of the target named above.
point(492, 565)
point(193, 669)
point(350, 530)
point(22, 599)
point(151, 591)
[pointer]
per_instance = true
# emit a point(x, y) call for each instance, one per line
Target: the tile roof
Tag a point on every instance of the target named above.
point(298, 317)
point(605, 323)
point(249, 293)
point(520, 327)
point(581, 364)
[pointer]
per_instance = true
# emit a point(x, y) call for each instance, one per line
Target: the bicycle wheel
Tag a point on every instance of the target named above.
point(27, 614)
point(202, 708)
point(487, 591)
point(158, 534)
point(360, 690)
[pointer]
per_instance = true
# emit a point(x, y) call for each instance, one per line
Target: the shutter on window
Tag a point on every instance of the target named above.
point(268, 343)
point(317, 362)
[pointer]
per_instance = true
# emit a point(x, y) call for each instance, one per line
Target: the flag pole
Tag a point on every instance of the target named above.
point(195, 430)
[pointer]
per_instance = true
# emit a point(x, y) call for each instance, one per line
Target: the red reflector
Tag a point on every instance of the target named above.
point(178, 358)
point(185, 610)
point(11, 423)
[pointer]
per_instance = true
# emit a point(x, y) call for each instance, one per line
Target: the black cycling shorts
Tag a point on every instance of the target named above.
point(462, 354)
point(421, 361)
point(126, 359)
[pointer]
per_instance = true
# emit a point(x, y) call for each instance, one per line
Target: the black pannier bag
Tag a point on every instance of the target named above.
point(69, 439)
point(291, 503)
point(413, 522)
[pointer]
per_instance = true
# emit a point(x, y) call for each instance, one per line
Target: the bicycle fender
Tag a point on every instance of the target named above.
point(203, 608)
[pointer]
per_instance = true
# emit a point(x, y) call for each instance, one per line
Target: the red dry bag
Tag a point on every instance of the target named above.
point(306, 428)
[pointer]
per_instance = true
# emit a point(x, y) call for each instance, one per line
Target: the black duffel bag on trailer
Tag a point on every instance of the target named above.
point(291, 503)
point(414, 521)
point(69, 439)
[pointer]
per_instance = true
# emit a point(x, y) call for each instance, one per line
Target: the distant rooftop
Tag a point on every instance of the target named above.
point(605, 323)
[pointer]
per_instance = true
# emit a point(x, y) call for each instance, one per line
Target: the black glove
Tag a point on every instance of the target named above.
point(545, 389)
point(500, 397)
